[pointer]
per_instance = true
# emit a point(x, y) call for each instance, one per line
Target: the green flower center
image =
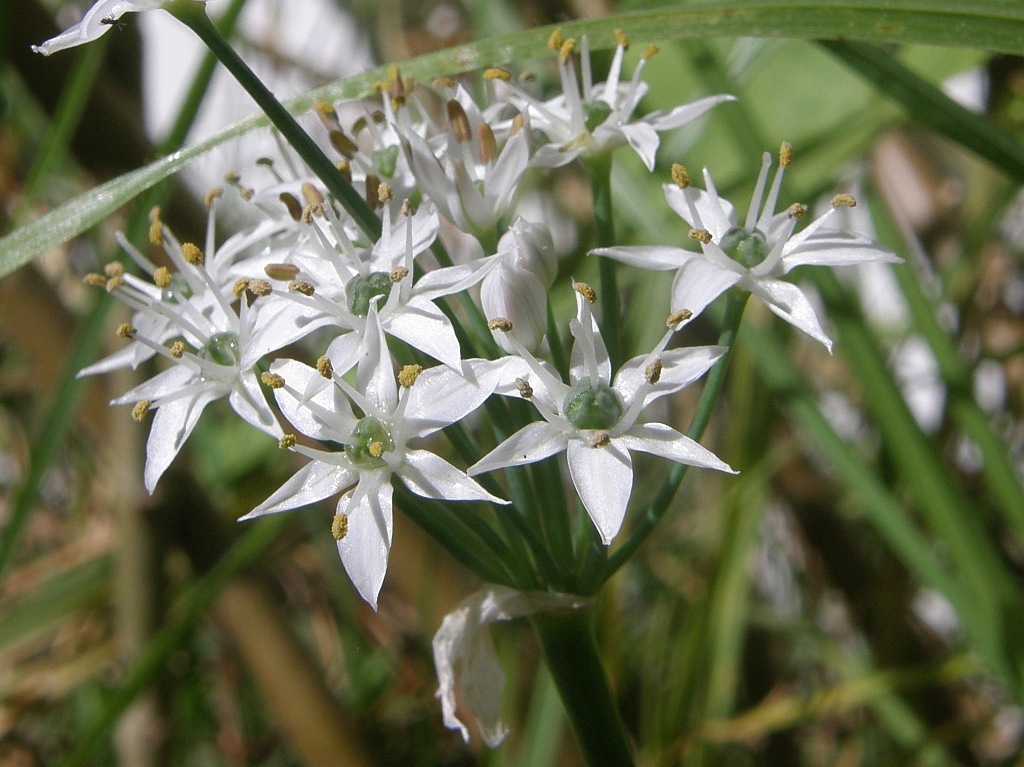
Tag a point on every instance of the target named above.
point(745, 246)
point(592, 406)
point(222, 348)
point(179, 287)
point(384, 161)
point(595, 114)
point(361, 290)
point(370, 440)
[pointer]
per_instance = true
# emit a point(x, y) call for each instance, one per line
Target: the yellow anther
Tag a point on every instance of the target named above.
point(162, 277)
point(385, 192)
point(567, 48)
point(407, 375)
point(156, 233)
point(372, 190)
point(287, 442)
point(301, 286)
point(486, 144)
point(114, 269)
point(375, 448)
point(215, 193)
point(345, 169)
point(177, 349)
point(339, 527)
point(325, 111)
point(273, 380)
point(621, 39)
point(652, 373)
point(95, 280)
point(141, 408)
point(114, 283)
point(311, 211)
point(406, 207)
point(398, 274)
point(680, 176)
point(292, 204)
point(701, 235)
point(154, 214)
point(311, 194)
point(260, 287)
point(524, 388)
point(844, 199)
point(497, 73)
point(500, 323)
point(518, 122)
point(556, 40)
point(458, 121)
point(649, 51)
point(232, 178)
point(192, 254)
point(325, 367)
point(676, 319)
point(599, 439)
point(585, 290)
point(785, 154)
point(796, 210)
point(125, 330)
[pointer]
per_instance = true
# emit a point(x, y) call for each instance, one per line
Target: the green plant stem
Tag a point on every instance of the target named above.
point(735, 303)
point(570, 652)
point(600, 168)
point(193, 15)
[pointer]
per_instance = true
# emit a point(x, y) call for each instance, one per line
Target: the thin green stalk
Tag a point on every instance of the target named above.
point(570, 652)
point(193, 15)
point(735, 302)
point(600, 168)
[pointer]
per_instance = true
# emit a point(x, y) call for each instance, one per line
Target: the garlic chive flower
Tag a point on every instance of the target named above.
point(752, 256)
point(595, 419)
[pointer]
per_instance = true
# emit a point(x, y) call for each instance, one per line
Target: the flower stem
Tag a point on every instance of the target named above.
point(193, 15)
point(735, 303)
point(572, 657)
point(604, 234)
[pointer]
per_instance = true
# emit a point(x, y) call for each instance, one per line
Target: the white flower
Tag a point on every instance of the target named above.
point(595, 419)
point(752, 256)
point(599, 118)
point(97, 20)
point(375, 446)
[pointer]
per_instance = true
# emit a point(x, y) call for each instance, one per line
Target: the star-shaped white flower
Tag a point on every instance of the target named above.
point(588, 119)
point(97, 20)
point(596, 420)
point(752, 256)
point(375, 445)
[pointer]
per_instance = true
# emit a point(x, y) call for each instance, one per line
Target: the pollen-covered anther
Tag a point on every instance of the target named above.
point(177, 349)
point(676, 319)
point(486, 144)
point(680, 175)
point(310, 212)
point(260, 287)
point(701, 235)
point(841, 200)
point(373, 191)
point(345, 169)
point(458, 120)
point(407, 375)
point(301, 286)
point(556, 40)
point(785, 154)
point(385, 192)
point(114, 283)
point(141, 408)
point(241, 285)
point(292, 204)
point(325, 111)
point(649, 51)
point(497, 73)
point(500, 323)
point(524, 388)
point(585, 290)
point(162, 277)
point(567, 48)
point(114, 269)
point(192, 253)
point(215, 193)
point(273, 380)
point(621, 39)
point(311, 194)
point(406, 207)
point(518, 123)
point(95, 279)
point(599, 439)
point(345, 146)
point(652, 373)
point(246, 192)
point(154, 214)
point(398, 274)
point(156, 232)
point(375, 448)
point(325, 367)
point(339, 527)
point(287, 442)
point(125, 330)
point(796, 210)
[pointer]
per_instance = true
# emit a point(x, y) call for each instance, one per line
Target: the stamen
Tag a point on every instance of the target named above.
point(139, 411)
point(458, 121)
point(407, 375)
point(241, 285)
point(192, 254)
point(372, 191)
point(701, 235)
point(599, 439)
point(177, 349)
point(125, 330)
point(301, 286)
point(518, 122)
point(443, 82)
point(273, 380)
point(95, 280)
point(311, 194)
point(156, 232)
point(621, 39)
point(585, 290)
point(652, 373)
point(292, 204)
point(376, 449)
point(339, 527)
point(162, 277)
point(676, 319)
point(796, 210)
point(649, 51)
point(680, 176)
point(486, 144)
point(844, 200)
point(556, 40)
point(497, 73)
point(524, 388)
point(325, 367)
point(384, 192)
point(398, 274)
point(281, 271)
point(345, 168)
point(260, 287)
point(114, 269)
point(566, 49)
point(215, 193)
point(325, 111)
point(785, 154)
point(345, 146)
point(114, 283)
point(287, 442)
point(406, 207)
point(500, 323)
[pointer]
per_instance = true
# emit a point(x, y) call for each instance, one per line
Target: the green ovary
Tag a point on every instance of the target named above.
point(222, 348)
point(592, 406)
point(370, 440)
point(361, 290)
point(748, 247)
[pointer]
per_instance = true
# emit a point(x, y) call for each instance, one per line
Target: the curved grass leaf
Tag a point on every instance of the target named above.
point(996, 25)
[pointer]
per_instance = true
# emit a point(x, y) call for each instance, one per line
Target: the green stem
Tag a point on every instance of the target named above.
point(193, 15)
point(735, 303)
point(604, 235)
point(572, 657)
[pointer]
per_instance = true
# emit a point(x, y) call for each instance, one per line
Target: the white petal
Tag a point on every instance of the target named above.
point(433, 477)
point(534, 442)
point(364, 549)
point(603, 477)
point(831, 248)
point(698, 283)
point(442, 396)
point(789, 302)
point(644, 140)
point(660, 257)
point(319, 397)
point(375, 376)
point(422, 325)
point(166, 382)
point(172, 424)
point(680, 368)
point(313, 482)
point(661, 440)
point(712, 212)
point(452, 279)
point(92, 25)
point(247, 400)
point(673, 118)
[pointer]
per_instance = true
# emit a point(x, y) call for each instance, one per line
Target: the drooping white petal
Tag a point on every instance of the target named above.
point(661, 440)
point(519, 296)
point(832, 248)
point(313, 482)
point(431, 476)
point(644, 140)
point(699, 282)
point(679, 368)
point(534, 442)
point(247, 400)
point(95, 24)
point(167, 382)
point(789, 302)
point(367, 543)
point(603, 477)
point(172, 424)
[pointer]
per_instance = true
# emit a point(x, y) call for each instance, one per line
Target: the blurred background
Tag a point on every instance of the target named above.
point(777, 619)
